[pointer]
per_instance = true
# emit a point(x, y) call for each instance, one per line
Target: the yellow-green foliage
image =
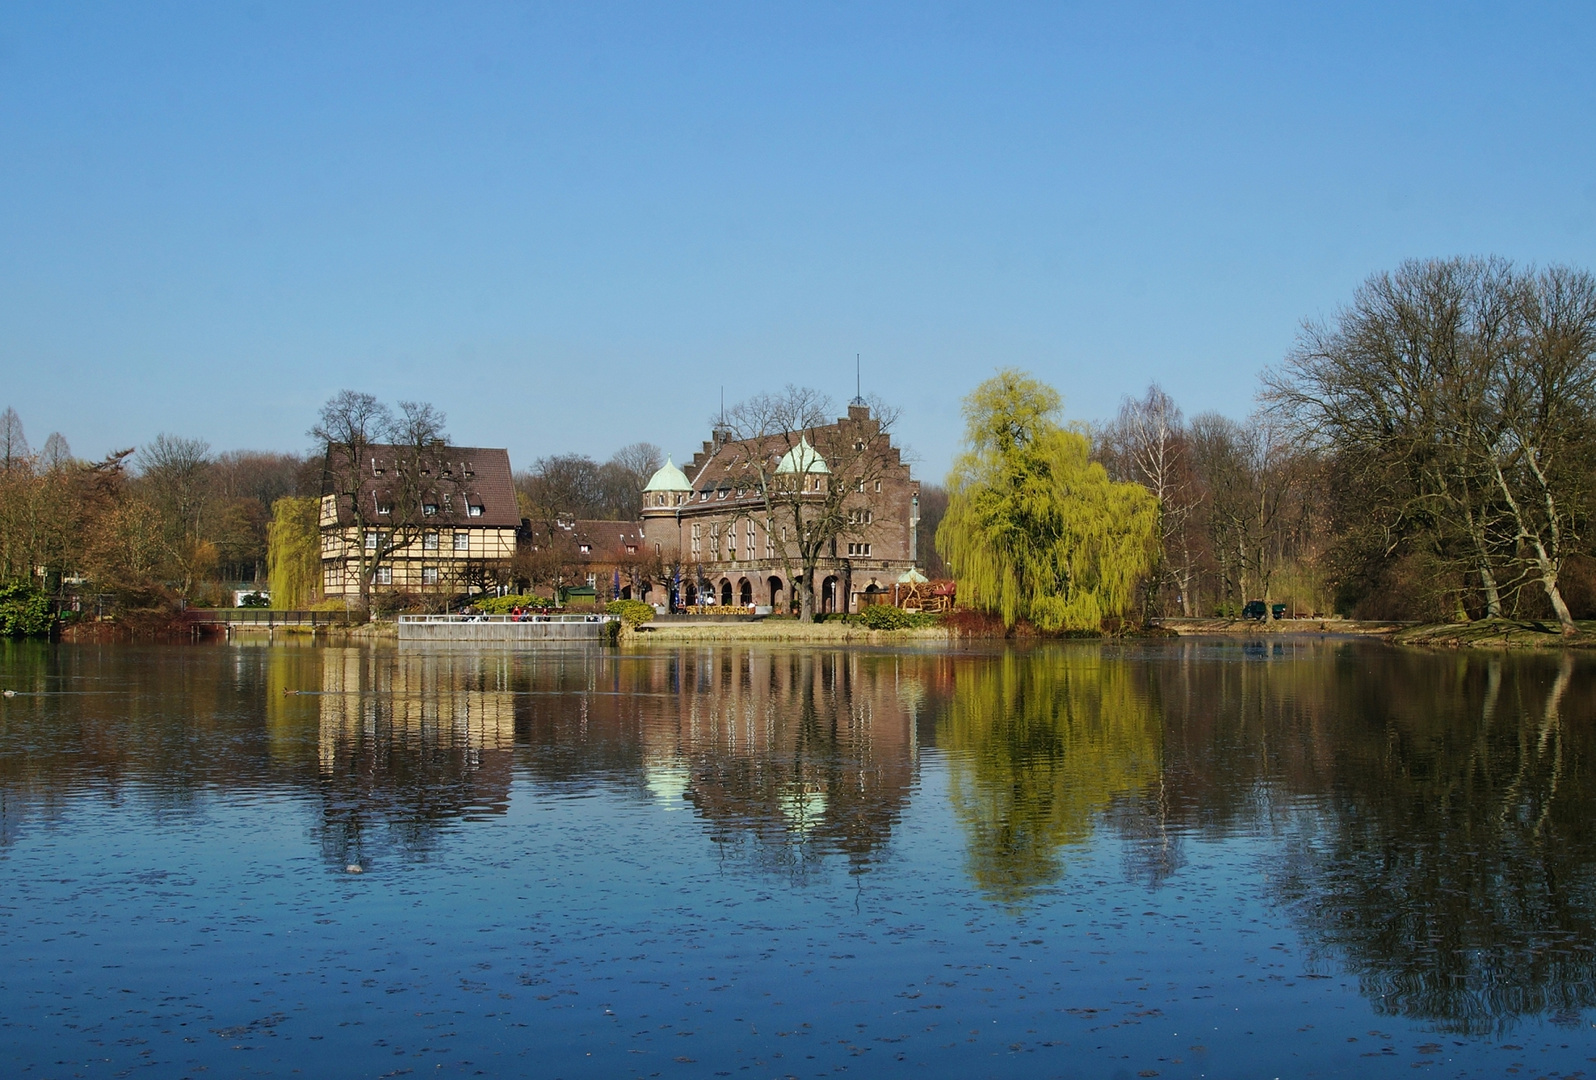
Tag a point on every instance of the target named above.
point(632, 612)
point(1039, 748)
point(1034, 528)
point(293, 553)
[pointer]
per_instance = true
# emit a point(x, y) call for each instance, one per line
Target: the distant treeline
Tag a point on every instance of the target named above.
point(1427, 452)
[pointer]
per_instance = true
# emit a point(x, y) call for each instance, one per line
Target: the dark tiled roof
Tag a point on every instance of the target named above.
point(469, 475)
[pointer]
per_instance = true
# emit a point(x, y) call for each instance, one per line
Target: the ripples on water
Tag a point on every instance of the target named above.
point(1183, 859)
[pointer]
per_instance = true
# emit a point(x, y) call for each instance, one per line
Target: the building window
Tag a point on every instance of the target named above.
point(384, 575)
point(462, 541)
point(429, 575)
point(696, 538)
point(861, 484)
point(770, 545)
point(473, 510)
point(859, 549)
point(592, 580)
point(750, 536)
point(878, 485)
point(585, 549)
point(429, 541)
point(384, 508)
point(429, 509)
point(371, 541)
point(861, 517)
point(631, 549)
point(714, 541)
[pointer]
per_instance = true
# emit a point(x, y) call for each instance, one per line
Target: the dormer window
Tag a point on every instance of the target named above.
point(429, 509)
point(631, 549)
point(473, 510)
point(585, 549)
point(384, 508)
point(376, 470)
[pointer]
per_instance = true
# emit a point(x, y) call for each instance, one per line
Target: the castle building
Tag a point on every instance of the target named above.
point(728, 528)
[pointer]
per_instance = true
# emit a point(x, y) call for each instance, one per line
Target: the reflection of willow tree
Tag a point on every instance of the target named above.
point(1455, 871)
point(1039, 746)
point(409, 743)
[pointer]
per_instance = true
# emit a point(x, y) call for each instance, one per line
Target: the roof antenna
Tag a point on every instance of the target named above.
point(858, 383)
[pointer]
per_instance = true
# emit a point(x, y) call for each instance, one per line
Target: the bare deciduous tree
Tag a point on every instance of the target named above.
point(377, 473)
point(809, 471)
point(13, 443)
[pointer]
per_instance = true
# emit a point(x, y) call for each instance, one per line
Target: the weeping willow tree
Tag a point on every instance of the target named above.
point(293, 553)
point(1039, 747)
point(1034, 528)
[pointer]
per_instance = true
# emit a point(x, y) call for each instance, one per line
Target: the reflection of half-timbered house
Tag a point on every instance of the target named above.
point(439, 519)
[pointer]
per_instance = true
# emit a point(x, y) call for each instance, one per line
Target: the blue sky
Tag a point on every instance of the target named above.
point(569, 225)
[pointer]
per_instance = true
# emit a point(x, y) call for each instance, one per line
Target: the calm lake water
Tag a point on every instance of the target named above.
point(1194, 858)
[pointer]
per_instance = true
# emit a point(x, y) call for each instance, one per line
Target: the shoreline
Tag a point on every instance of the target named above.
point(784, 630)
point(1497, 634)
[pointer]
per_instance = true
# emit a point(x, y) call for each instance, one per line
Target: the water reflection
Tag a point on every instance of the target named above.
point(405, 742)
point(1429, 818)
point(792, 756)
point(1450, 865)
point(1042, 745)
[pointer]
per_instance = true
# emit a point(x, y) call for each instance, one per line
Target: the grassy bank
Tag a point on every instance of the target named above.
point(1252, 627)
point(1497, 634)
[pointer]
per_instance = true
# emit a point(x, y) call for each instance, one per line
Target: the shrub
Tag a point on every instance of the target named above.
point(503, 605)
point(253, 600)
point(632, 612)
point(25, 612)
point(885, 617)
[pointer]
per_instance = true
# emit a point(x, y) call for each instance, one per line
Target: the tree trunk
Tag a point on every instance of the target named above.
point(1493, 597)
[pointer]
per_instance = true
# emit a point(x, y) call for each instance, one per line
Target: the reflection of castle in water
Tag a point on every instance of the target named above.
point(788, 755)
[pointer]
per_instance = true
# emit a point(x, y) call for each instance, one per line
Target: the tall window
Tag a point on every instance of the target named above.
point(750, 535)
point(429, 575)
point(714, 541)
point(371, 541)
point(384, 575)
point(429, 541)
point(462, 541)
point(696, 537)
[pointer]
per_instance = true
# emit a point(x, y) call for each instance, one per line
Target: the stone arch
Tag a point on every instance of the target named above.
point(692, 595)
point(745, 592)
point(828, 594)
point(726, 591)
point(775, 592)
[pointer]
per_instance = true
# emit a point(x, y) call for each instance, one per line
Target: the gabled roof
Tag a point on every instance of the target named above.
point(451, 478)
